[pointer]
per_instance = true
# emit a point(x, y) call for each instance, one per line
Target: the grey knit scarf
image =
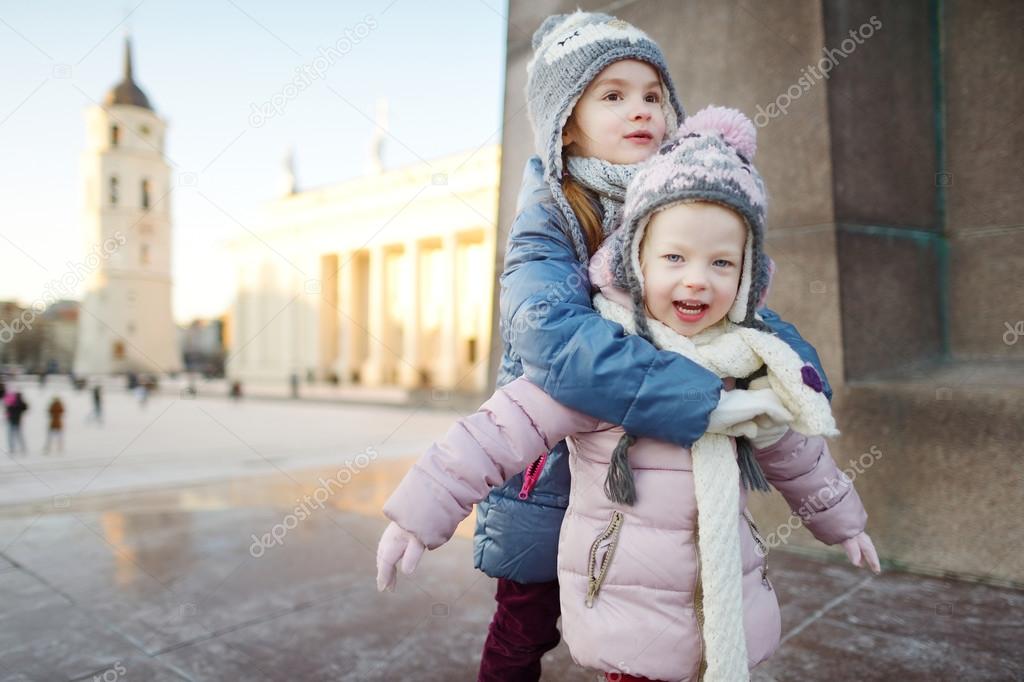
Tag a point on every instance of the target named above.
point(608, 181)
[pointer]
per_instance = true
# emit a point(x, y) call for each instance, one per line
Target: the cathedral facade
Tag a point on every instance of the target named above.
point(385, 280)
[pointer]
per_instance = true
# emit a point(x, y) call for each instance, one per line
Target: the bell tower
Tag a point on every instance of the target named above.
point(125, 321)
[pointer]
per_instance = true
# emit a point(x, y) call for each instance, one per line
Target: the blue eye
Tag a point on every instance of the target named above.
point(722, 263)
point(673, 258)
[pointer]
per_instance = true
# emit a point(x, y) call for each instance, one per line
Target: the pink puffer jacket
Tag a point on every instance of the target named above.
point(639, 614)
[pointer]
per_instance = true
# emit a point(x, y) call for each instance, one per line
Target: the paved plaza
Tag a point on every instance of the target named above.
point(175, 438)
point(202, 539)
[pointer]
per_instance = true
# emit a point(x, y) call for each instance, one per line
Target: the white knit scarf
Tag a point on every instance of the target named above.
point(729, 350)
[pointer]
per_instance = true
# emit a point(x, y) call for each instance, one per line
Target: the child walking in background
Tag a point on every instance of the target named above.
point(55, 432)
point(663, 574)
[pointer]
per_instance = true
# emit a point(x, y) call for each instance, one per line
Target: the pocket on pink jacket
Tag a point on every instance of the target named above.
point(600, 558)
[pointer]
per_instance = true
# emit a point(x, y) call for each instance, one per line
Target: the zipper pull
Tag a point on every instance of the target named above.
point(531, 476)
point(591, 593)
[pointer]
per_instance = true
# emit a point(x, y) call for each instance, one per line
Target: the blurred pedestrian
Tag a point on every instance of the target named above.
point(142, 393)
point(97, 405)
point(56, 430)
point(15, 408)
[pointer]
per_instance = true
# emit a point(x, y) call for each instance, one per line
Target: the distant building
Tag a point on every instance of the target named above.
point(18, 341)
point(383, 280)
point(125, 322)
point(35, 342)
point(202, 346)
point(60, 336)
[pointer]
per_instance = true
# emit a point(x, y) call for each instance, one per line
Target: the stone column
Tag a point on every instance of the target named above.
point(448, 362)
point(347, 361)
point(409, 366)
point(328, 332)
point(373, 367)
point(483, 346)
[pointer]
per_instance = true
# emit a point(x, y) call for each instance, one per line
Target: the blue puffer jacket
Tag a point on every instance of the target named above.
point(552, 334)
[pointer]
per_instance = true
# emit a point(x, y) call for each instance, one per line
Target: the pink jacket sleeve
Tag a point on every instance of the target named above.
point(802, 469)
point(518, 424)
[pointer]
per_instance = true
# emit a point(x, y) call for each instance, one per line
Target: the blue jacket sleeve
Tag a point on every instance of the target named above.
point(583, 360)
point(788, 333)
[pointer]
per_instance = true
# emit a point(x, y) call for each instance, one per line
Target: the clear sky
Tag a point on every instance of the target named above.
point(204, 65)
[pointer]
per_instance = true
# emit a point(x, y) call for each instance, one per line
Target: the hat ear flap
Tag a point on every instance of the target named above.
point(769, 276)
point(738, 312)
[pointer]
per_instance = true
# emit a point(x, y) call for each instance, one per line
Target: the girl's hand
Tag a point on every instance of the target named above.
point(861, 546)
point(396, 544)
point(738, 408)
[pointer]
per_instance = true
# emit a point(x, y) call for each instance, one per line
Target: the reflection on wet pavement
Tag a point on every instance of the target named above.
point(255, 579)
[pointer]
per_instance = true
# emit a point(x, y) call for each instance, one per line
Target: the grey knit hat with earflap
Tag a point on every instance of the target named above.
point(570, 50)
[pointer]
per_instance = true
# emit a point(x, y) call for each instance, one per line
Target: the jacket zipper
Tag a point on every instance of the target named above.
point(698, 604)
point(531, 475)
point(762, 546)
point(595, 581)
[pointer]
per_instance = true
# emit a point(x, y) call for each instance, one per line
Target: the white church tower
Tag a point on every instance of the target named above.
point(125, 321)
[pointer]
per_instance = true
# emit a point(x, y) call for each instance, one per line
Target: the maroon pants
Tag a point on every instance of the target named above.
point(523, 630)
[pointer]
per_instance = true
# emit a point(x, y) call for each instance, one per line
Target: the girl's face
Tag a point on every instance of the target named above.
point(618, 118)
point(692, 258)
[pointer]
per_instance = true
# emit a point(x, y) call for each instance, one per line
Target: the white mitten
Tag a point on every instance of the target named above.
point(737, 410)
point(769, 431)
point(396, 544)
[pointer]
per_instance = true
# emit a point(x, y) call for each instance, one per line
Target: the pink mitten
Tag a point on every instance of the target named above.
point(396, 544)
point(861, 546)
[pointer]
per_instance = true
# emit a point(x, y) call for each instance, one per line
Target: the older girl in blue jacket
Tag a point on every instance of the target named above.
point(600, 100)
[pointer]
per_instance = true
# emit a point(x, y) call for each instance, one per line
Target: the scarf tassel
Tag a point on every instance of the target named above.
point(619, 485)
point(750, 470)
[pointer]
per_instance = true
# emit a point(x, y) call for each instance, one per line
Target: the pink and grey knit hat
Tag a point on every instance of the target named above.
point(708, 160)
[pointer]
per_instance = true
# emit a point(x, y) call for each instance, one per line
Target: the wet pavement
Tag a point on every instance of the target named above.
point(269, 575)
point(172, 585)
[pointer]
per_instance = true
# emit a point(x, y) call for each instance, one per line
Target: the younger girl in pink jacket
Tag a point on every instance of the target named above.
point(662, 573)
